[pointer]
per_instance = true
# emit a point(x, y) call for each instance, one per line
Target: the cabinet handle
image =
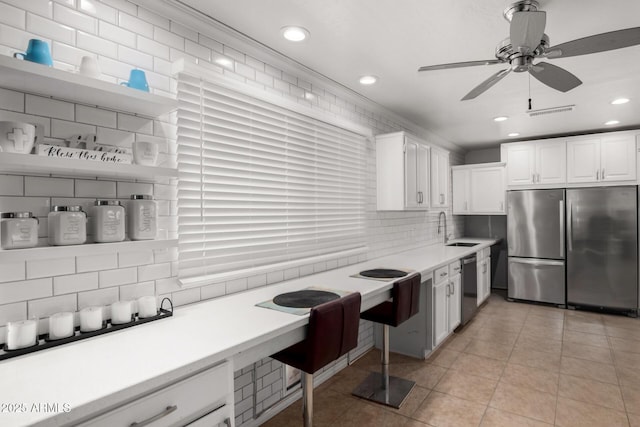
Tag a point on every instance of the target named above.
point(453, 289)
point(533, 178)
point(227, 422)
point(155, 418)
point(421, 197)
point(443, 274)
point(602, 174)
point(598, 175)
point(442, 198)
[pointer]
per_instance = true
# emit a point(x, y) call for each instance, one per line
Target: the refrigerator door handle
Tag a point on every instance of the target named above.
point(570, 227)
point(561, 209)
point(535, 261)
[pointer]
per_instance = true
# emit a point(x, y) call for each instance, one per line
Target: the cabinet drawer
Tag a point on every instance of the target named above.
point(177, 404)
point(441, 274)
point(454, 268)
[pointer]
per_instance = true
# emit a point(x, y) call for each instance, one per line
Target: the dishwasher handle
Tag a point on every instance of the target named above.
point(469, 260)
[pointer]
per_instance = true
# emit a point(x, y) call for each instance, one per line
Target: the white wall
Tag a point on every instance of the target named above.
point(122, 36)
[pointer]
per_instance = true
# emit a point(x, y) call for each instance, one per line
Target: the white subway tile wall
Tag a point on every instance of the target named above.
point(122, 36)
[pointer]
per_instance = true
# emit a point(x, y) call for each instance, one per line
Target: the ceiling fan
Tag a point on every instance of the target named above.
point(527, 41)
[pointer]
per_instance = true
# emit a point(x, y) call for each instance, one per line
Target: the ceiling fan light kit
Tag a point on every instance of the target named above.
point(527, 41)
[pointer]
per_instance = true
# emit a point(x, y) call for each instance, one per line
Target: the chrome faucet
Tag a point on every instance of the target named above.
point(440, 216)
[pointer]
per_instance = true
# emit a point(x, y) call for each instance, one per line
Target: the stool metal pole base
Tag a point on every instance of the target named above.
point(381, 387)
point(307, 399)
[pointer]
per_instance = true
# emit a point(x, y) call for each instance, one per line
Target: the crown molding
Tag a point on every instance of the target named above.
point(210, 27)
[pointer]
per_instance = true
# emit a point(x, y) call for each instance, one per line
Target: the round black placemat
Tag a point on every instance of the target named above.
point(383, 273)
point(304, 299)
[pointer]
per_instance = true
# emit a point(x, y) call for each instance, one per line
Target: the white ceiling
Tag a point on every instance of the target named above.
point(391, 39)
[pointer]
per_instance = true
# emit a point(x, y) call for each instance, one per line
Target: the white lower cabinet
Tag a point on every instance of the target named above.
point(204, 399)
point(483, 264)
point(446, 302)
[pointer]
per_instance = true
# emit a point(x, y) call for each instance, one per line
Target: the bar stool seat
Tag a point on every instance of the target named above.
point(332, 332)
point(379, 386)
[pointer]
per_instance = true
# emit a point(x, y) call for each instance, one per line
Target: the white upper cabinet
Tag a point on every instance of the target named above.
point(551, 158)
point(601, 159)
point(521, 163)
point(479, 189)
point(439, 178)
point(461, 190)
point(403, 172)
point(618, 158)
point(583, 160)
point(535, 163)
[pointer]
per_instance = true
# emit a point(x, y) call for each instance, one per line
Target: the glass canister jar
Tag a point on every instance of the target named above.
point(18, 230)
point(142, 217)
point(67, 225)
point(108, 221)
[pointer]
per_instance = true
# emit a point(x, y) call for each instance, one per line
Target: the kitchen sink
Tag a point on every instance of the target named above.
point(465, 244)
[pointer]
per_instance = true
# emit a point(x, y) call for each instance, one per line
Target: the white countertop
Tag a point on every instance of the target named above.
point(99, 373)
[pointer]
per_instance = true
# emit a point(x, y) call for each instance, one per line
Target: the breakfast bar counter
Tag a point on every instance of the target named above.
point(86, 378)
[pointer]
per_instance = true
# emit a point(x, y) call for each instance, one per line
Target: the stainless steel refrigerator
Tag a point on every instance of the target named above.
point(536, 245)
point(602, 247)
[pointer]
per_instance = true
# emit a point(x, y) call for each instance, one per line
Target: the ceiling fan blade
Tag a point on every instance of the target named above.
point(526, 31)
point(555, 77)
point(459, 65)
point(482, 87)
point(597, 43)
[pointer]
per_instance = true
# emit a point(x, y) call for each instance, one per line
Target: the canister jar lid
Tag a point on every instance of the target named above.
point(141, 197)
point(66, 209)
point(107, 203)
point(16, 215)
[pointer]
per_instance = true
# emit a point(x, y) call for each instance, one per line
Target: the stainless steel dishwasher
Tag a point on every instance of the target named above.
point(469, 294)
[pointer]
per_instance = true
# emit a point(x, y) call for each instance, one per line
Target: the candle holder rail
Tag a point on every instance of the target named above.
point(44, 342)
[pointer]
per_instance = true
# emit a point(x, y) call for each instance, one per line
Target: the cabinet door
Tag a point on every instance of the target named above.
point(422, 183)
point(618, 158)
point(487, 278)
point(410, 173)
point(455, 301)
point(439, 179)
point(440, 312)
point(480, 280)
point(461, 191)
point(583, 160)
point(520, 164)
point(487, 190)
point(551, 162)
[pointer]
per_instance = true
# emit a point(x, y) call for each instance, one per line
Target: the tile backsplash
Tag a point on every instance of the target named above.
point(122, 36)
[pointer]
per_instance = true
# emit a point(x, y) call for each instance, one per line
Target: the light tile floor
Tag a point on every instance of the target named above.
point(514, 365)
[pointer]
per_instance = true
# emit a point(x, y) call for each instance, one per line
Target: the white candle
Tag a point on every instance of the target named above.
point(21, 334)
point(90, 319)
point(61, 325)
point(121, 312)
point(147, 307)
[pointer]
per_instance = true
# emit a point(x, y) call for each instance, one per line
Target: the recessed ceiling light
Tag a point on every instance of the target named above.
point(619, 101)
point(512, 134)
point(500, 118)
point(294, 34)
point(368, 80)
point(225, 62)
point(612, 122)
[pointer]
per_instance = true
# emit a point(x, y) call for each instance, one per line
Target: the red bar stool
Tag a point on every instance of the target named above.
point(380, 387)
point(332, 332)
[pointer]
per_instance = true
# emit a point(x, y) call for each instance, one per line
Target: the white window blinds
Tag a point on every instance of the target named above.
point(261, 185)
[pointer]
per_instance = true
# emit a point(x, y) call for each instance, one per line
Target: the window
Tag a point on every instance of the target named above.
point(262, 186)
